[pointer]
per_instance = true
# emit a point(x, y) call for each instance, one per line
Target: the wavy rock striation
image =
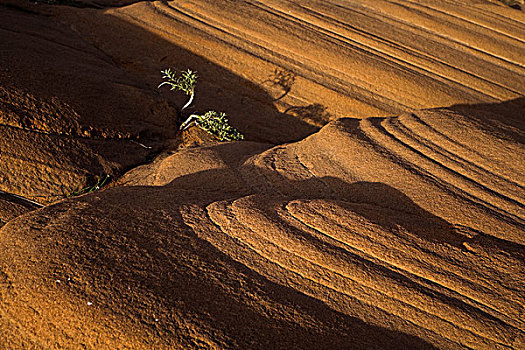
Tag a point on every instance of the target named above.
point(384, 232)
point(400, 227)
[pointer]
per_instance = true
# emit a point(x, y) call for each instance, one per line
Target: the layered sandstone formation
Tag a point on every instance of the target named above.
point(378, 202)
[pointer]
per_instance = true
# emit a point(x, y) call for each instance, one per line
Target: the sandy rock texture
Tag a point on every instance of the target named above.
point(377, 202)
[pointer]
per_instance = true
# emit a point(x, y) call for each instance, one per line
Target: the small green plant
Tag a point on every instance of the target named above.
point(185, 82)
point(101, 181)
point(213, 122)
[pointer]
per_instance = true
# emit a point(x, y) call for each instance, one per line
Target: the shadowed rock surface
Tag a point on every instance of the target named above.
point(356, 216)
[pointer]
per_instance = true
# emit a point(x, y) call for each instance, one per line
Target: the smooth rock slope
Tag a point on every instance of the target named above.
point(378, 202)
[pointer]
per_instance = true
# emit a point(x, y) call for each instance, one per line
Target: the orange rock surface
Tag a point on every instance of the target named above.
point(377, 202)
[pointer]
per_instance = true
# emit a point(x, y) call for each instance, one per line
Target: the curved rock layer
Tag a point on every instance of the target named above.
point(281, 69)
point(390, 56)
point(85, 79)
point(402, 232)
point(11, 207)
point(67, 112)
point(395, 228)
